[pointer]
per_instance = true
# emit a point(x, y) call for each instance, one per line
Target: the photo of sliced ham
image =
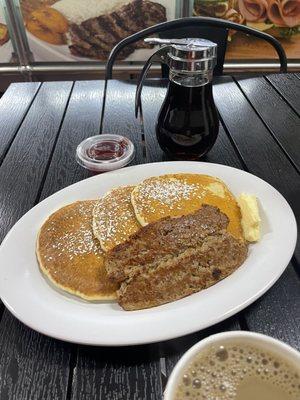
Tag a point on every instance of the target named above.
point(234, 16)
point(253, 10)
point(278, 18)
point(284, 13)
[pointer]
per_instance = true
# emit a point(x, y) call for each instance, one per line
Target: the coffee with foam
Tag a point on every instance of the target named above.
point(238, 371)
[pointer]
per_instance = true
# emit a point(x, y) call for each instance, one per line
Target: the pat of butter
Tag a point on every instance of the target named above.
point(250, 217)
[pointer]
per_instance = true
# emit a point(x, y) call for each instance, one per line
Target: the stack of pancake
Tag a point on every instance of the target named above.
point(113, 247)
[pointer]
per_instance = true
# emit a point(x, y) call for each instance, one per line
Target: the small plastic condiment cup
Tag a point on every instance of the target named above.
point(257, 340)
point(105, 152)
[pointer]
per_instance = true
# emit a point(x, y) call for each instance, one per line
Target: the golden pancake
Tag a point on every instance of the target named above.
point(70, 256)
point(175, 195)
point(114, 218)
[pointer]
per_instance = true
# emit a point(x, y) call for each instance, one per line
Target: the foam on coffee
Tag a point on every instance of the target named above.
point(236, 372)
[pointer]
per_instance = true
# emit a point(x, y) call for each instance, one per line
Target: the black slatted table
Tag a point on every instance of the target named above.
point(40, 127)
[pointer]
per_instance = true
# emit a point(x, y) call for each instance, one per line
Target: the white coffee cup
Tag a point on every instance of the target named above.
point(263, 342)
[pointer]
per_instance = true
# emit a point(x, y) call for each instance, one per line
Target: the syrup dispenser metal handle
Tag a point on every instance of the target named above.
point(158, 56)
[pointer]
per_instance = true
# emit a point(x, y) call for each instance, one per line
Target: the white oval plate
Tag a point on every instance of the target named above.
point(28, 295)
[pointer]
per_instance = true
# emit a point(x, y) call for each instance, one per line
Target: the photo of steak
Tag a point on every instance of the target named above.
point(95, 37)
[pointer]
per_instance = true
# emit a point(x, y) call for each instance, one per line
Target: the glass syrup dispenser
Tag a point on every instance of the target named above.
point(187, 125)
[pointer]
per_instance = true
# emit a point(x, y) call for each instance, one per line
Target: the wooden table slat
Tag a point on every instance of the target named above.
point(127, 373)
point(277, 313)
point(82, 120)
point(86, 96)
point(13, 107)
point(271, 164)
point(43, 136)
point(33, 366)
point(281, 120)
point(289, 88)
point(119, 115)
point(260, 152)
point(23, 168)
point(93, 365)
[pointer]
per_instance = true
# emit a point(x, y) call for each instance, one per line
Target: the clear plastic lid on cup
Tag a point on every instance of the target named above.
point(105, 152)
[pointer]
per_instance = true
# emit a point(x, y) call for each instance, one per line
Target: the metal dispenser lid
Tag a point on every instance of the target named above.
point(188, 55)
point(191, 62)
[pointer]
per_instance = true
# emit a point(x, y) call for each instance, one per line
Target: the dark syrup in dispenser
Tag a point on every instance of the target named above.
point(188, 124)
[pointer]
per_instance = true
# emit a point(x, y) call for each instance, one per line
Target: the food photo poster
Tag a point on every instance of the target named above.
point(87, 30)
point(6, 48)
point(279, 18)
